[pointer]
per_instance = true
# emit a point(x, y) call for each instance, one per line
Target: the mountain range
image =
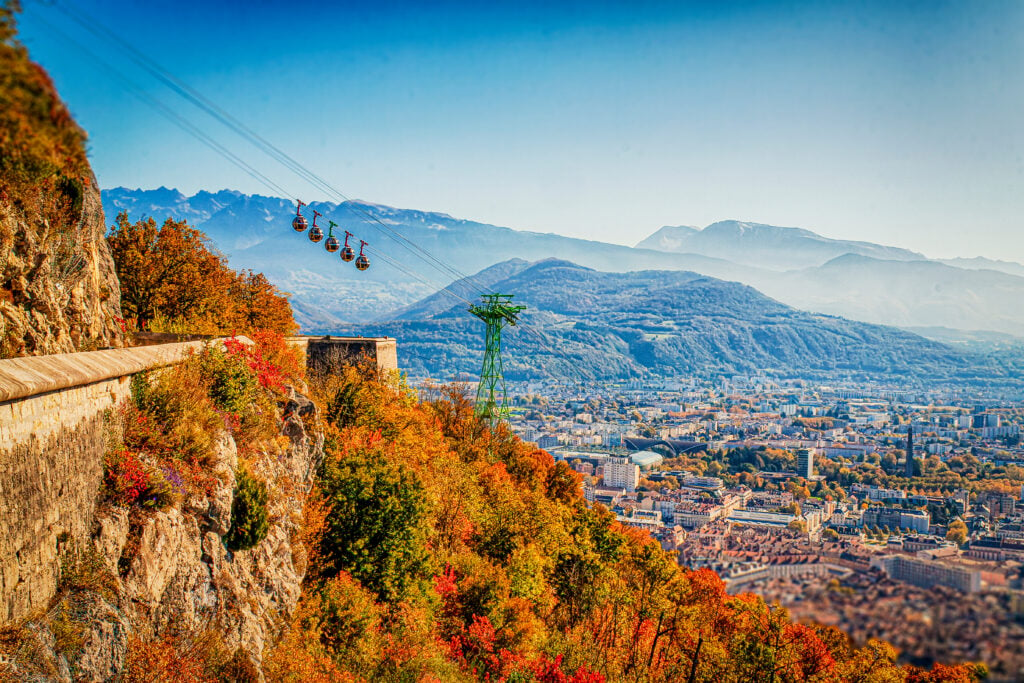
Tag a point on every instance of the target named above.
point(766, 246)
point(585, 324)
point(859, 280)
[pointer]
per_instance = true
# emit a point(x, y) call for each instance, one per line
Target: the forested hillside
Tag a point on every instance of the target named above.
point(443, 550)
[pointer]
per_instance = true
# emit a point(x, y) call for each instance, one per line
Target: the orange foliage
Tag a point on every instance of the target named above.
point(172, 274)
point(942, 673)
point(176, 659)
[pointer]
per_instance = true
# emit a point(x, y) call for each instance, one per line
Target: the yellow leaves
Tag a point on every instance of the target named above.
point(526, 570)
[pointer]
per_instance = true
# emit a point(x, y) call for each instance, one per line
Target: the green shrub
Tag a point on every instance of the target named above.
point(249, 523)
point(232, 383)
point(377, 527)
point(343, 405)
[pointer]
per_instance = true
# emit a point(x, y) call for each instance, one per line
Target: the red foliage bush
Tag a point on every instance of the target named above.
point(126, 478)
point(265, 357)
point(474, 646)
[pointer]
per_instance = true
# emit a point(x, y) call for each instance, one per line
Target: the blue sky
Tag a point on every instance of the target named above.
point(892, 122)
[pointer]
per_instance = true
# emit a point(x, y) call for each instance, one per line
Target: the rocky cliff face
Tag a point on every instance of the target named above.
point(58, 289)
point(169, 574)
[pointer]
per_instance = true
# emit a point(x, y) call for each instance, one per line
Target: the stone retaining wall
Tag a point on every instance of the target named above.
point(52, 442)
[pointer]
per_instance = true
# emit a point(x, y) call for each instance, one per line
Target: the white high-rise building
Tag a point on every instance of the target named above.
point(621, 472)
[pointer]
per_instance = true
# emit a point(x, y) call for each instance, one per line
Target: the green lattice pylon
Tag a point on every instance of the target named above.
point(496, 311)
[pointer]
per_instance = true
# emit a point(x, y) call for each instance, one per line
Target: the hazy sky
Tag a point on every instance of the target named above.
point(900, 123)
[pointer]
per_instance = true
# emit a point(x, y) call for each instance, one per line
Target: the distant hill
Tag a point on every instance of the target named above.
point(795, 266)
point(905, 293)
point(765, 246)
point(662, 324)
point(467, 288)
point(982, 263)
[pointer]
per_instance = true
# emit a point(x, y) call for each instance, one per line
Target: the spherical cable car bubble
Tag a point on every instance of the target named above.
point(362, 262)
point(331, 244)
point(347, 252)
point(299, 223)
point(315, 233)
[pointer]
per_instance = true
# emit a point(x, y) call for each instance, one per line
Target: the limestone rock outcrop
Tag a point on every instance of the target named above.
point(58, 290)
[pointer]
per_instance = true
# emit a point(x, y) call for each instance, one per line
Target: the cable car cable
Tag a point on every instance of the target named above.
point(182, 88)
point(98, 28)
point(134, 89)
point(184, 124)
point(170, 80)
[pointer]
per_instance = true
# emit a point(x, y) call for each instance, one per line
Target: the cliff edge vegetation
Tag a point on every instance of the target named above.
point(58, 290)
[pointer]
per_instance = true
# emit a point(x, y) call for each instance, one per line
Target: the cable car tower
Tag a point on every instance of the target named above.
point(496, 311)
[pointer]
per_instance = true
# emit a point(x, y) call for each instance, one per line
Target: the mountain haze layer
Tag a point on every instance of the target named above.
point(905, 293)
point(860, 280)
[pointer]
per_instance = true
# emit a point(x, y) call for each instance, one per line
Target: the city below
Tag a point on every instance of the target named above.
point(804, 495)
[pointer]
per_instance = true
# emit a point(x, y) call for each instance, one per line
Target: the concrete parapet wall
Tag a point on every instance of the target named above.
point(33, 375)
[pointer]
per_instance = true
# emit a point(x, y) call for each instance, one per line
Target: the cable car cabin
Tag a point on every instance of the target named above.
point(362, 262)
point(299, 223)
point(332, 245)
point(347, 254)
point(315, 233)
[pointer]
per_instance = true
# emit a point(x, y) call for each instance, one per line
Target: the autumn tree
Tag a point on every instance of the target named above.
point(957, 532)
point(173, 277)
point(257, 304)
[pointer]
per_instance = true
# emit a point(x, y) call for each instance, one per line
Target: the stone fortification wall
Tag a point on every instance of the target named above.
point(52, 442)
point(327, 354)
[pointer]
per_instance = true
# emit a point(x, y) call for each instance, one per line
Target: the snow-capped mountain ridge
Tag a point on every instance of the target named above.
point(876, 283)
